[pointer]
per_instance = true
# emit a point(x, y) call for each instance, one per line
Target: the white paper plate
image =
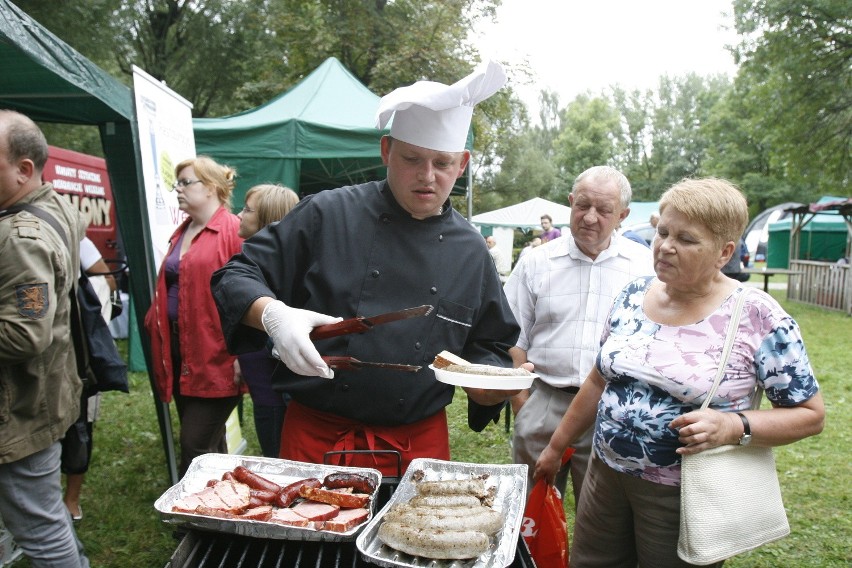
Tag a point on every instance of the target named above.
point(483, 381)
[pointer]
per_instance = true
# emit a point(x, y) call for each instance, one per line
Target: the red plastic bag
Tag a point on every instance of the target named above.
point(544, 528)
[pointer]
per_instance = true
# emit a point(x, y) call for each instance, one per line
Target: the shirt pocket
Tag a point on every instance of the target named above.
point(453, 323)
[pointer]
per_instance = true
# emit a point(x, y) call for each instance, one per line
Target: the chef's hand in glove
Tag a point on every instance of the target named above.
point(289, 329)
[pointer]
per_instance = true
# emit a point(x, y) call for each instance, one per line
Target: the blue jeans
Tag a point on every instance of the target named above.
point(32, 509)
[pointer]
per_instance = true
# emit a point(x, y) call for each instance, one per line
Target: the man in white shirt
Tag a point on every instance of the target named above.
point(561, 294)
point(497, 256)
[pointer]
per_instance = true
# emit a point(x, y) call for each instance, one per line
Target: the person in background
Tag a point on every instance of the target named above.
point(660, 350)
point(549, 232)
point(38, 373)
point(369, 249)
point(195, 368)
point(531, 244)
point(560, 294)
point(634, 236)
point(497, 256)
point(264, 204)
point(103, 283)
point(734, 267)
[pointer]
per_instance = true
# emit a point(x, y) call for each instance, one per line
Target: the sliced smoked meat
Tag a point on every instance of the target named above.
point(316, 511)
point(345, 520)
point(339, 498)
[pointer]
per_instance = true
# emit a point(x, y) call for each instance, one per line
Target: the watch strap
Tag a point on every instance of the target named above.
point(746, 427)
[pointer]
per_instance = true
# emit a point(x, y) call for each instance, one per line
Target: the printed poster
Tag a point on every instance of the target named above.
point(165, 139)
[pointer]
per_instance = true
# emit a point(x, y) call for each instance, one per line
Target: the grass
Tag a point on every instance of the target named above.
point(121, 529)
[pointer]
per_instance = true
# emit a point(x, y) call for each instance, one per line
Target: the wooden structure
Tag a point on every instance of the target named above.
point(824, 284)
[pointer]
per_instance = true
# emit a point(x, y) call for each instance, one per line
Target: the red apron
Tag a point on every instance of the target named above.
point(308, 434)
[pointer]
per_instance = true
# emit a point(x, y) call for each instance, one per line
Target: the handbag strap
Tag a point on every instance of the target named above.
point(729, 343)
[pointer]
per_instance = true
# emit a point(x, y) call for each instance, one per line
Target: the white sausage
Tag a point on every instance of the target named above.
point(445, 501)
point(433, 543)
point(483, 519)
point(474, 486)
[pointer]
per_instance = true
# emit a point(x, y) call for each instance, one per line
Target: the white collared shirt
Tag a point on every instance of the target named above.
point(561, 299)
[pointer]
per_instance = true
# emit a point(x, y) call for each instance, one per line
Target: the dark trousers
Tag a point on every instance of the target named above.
point(202, 420)
point(202, 426)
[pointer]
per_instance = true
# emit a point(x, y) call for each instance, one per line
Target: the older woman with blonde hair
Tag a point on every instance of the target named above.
point(660, 350)
point(265, 204)
point(191, 363)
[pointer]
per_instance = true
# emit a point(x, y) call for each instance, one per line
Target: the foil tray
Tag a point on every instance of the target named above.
point(510, 482)
point(283, 472)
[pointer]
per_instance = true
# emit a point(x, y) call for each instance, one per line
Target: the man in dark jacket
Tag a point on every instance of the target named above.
point(369, 249)
point(39, 387)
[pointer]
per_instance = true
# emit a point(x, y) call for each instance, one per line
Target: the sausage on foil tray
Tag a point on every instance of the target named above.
point(338, 503)
point(449, 519)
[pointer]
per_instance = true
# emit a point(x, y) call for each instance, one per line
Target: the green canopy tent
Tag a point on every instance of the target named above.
point(819, 232)
point(44, 78)
point(318, 135)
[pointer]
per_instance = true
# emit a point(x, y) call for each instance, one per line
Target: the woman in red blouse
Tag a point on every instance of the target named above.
point(191, 363)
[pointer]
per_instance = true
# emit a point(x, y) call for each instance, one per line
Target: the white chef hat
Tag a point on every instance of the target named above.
point(437, 116)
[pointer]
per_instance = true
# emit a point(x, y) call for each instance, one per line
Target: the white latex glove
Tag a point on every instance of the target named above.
point(289, 329)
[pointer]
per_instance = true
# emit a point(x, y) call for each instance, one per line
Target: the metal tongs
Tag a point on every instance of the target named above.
point(360, 324)
point(351, 364)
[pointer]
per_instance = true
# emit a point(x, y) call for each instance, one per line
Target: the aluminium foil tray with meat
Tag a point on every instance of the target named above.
point(510, 483)
point(283, 472)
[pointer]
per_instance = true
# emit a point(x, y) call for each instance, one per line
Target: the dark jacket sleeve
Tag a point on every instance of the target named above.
point(235, 287)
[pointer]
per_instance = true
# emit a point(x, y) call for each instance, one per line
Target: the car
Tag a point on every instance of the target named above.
point(644, 230)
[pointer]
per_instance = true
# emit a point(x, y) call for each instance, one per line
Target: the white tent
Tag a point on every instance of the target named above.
point(640, 212)
point(525, 215)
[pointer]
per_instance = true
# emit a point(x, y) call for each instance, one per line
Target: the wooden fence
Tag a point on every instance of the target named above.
point(824, 284)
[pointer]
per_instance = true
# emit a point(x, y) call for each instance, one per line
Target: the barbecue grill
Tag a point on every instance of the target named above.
point(203, 549)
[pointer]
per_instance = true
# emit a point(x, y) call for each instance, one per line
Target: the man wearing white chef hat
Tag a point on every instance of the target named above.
point(369, 249)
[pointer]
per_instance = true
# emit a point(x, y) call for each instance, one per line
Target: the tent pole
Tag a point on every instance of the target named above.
point(469, 193)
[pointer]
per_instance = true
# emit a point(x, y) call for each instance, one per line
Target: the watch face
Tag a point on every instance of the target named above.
point(745, 439)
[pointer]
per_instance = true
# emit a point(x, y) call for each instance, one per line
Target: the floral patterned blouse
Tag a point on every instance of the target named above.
point(656, 372)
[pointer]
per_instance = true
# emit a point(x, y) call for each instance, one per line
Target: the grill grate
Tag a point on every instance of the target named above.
point(201, 549)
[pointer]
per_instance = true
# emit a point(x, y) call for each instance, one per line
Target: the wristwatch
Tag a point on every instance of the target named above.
point(745, 439)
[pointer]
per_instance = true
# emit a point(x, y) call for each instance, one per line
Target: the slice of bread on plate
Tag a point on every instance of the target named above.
point(445, 358)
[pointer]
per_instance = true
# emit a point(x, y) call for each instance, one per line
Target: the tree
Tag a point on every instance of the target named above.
point(203, 49)
point(590, 128)
point(740, 150)
point(798, 58)
point(227, 56)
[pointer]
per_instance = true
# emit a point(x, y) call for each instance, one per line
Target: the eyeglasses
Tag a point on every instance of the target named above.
point(247, 209)
point(184, 183)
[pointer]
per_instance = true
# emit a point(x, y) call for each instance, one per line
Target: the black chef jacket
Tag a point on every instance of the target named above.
point(353, 251)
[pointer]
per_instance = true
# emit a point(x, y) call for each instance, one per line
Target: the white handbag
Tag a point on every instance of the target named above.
point(730, 499)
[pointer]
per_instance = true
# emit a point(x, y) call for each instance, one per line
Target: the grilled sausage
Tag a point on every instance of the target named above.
point(259, 497)
point(482, 519)
point(288, 494)
point(473, 486)
point(255, 481)
point(358, 483)
point(433, 543)
point(445, 501)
